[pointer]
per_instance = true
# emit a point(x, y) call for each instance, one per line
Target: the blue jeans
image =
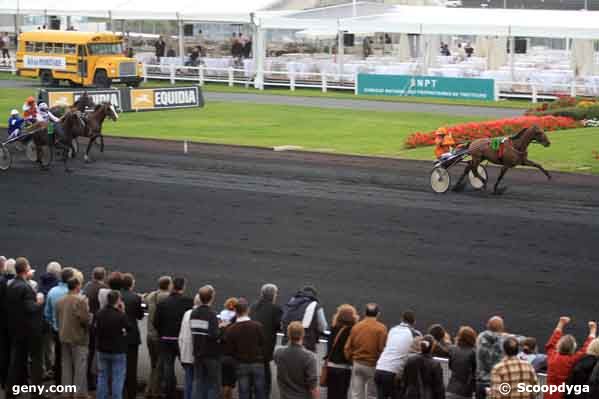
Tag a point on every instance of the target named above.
point(206, 378)
point(251, 375)
point(188, 387)
point(115, 366)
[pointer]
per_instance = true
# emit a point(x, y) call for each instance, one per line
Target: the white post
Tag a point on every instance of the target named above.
point(185, 147)
point(201, 75)
point(172, 70)
point(292, 81)
point(573, 88)
point(260, 49)
point(534, 92)
point(181, 44)
point(340, 53)
point(355, 83)
point(324, 81)
point(512, 56)
point(496, 89)
point(145, 69)
point(110, 21)
point(354, 9)
point(230, 76)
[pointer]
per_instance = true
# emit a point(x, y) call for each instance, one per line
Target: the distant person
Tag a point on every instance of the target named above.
point(304, 306)
point(91, 290)
point(171, 52)
point(160, 47)
point(8, 274)
point(268, 313)
point(186, 350)
point(338, 366)
point(562, 354)
point(73, 320)
point(134, 312)
point(422, 374)
point(48, 280)
point(529, 352)
point(582, 372)
point(167, 321)
point(442, 340)
point(4, 44)
point(364, 346)
point(512, 371)
point(297, 372)
point(152, 338)
point(228, 314)
point(112, 327)
point(489, 352)
point(462, 363)
point(469, 50)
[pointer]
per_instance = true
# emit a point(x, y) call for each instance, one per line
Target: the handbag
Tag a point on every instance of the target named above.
point(324, 370)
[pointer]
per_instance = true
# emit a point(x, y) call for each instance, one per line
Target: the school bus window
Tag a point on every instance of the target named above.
point(38, 47)
point(105, 48)
point(58, 48)
point(69, 49)
point(29, 46)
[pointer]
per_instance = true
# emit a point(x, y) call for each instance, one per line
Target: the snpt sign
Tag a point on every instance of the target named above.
point(426, 86)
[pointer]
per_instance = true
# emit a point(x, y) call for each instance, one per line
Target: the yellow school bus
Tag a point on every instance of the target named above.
point(81, 58)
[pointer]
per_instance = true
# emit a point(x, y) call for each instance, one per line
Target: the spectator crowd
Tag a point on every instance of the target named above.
point(63, 329)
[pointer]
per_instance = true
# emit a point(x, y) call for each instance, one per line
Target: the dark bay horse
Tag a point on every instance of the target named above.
point(511, 152)
point(44, 141)
point(92, 127)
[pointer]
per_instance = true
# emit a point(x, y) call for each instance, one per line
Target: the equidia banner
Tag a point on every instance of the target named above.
point(426, 86)
point(44, 62)
point(128, 99)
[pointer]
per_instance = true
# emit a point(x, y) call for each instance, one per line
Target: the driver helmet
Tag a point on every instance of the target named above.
point(441, 131)
point(43, 107)
point(14, 112)
point(31, 100)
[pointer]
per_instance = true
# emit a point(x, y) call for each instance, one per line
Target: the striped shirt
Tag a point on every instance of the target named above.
point(512, 371)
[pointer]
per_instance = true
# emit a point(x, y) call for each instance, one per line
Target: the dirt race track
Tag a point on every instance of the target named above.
point(360, 229)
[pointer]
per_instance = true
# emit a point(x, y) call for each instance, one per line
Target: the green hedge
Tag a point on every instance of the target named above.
point(577, 113)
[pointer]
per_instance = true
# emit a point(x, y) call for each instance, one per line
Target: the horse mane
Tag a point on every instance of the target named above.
point(98, 106)
point(517, 135)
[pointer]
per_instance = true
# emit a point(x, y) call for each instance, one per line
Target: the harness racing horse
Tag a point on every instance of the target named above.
point(45, 142)
point(509, 152)
point(92, 129)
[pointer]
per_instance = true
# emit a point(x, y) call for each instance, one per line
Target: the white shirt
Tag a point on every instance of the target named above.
point(397, 348)
point(186, 340)
point(45, 116)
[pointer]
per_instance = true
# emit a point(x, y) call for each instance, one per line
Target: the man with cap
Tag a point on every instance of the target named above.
point(15, 124)
point(444, 142)
point(30, 109)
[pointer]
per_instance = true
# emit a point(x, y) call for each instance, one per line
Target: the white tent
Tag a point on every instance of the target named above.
point(583, 58)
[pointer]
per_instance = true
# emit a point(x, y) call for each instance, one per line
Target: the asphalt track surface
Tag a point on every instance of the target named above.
point(359, 229)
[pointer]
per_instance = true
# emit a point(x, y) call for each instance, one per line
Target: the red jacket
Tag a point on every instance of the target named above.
point(559, 366)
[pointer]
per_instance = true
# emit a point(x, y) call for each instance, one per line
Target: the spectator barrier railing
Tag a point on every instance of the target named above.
point(532, 91)
point(10, 67)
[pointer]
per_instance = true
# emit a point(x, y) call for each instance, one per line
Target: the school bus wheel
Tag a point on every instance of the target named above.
point(47, 79)
point(101, 79)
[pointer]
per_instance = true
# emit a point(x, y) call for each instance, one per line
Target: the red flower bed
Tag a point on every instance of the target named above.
point(502, 127)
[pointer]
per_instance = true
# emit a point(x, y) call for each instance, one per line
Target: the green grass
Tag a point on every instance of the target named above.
point(338, 131)
point(342, 94)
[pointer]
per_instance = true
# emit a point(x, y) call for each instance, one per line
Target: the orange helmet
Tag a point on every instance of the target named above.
point(30, 100)
point(441, 131)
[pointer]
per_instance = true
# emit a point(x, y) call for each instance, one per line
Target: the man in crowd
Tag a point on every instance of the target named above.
point(244, 340)
point(389, 367)
point(48, 280)
point(207, 349)
point(134, 312)
point(24, 311)
point(91, 291)
point(72, 313)
point(512, 371)
point(364, 347)
point(489, 351)
point(112, 326)
point(169, 314)
point(268, 313)
point(50, 316)
point(297, 373)
point(305, 307)
point(152, 338)
point(7, 273)
point(160, 47)
point(408, 319)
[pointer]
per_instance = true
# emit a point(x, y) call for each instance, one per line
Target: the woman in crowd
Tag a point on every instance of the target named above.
point(442, 340)
point(562, 355)
point(462, 363)
point(338, 367)
point(583, 369)
point(422, 375)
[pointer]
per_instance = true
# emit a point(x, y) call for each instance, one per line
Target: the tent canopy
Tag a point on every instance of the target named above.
point(193, 10)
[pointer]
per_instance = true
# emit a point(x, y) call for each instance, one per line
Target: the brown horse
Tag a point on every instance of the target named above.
point(45, 143)
point(92, 128)
point(513, 151)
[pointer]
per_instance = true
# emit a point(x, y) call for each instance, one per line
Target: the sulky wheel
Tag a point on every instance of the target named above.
point(475, 182)
point(31, 151)
point(5, 158)
point(47, 156)
point(440, 179)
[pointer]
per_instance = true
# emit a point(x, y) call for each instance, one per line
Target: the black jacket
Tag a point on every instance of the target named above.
point(134, 312)
point(580, 375)
point(462, 363)
point(205, 332)
point(23, 314)
point(269, 314)
point(169, 314)
point(91, 291)
point(112, 328)
point(4, 279)
point(335, 346)
point(47, 282)
point(422, 371)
